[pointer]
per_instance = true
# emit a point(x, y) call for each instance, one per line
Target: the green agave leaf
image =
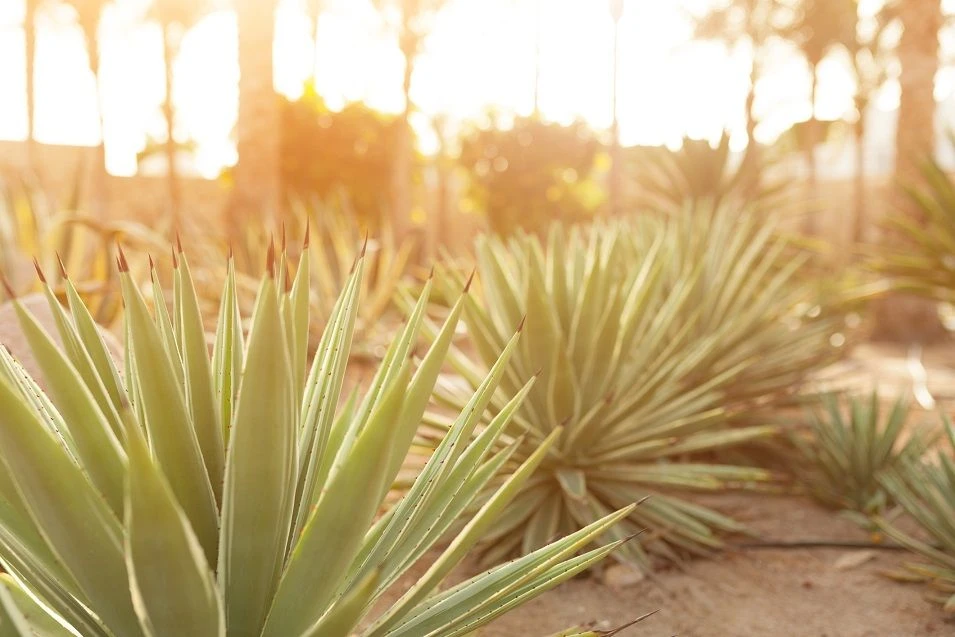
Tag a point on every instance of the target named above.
point(344, 511)
point(96, 445)
point(38, 622)
point(197, 376)
point(12, 621)
point(174, 592)
point(172, 436)
point(77, 523)
point(259, 482)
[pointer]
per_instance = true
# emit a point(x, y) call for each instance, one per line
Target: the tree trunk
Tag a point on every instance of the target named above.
point(812, 139)
point(904, 318)
point(616, 156)
point(100, 190)
point(751, 162)
point(859, 178)
point(29, 35)
point(401, 185)
point(314, 64)
point(257, 186)
point(169, 112)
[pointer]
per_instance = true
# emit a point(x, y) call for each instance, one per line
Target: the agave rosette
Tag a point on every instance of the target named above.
point(849, 444)
point(653, 337)
point(925, 488)
point(235, 494)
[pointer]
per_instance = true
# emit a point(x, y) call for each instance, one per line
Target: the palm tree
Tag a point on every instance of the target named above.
point(313, 9)
point(89, 14)
point(616, 14)
point(175, 17)
point(820, 27)
point(870, 56)
point(918, 54)
point(411, 19)
point(914, 319)
point(756, 23)
point(256, 175)
point(29, 35)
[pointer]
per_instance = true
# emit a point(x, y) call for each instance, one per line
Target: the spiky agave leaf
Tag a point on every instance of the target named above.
point(849, 444)
point(233, 495)
point(926, 491)
point(653, 337)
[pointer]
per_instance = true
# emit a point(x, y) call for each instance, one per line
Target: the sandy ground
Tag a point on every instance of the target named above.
point(752, 593)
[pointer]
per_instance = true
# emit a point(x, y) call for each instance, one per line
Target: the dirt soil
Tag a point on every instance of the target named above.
point(819, 592)
point(752, 593)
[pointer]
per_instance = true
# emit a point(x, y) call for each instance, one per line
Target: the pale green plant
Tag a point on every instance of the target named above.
point(235, 494)
point(849, 444)
point(925, 489)
point(661, 342)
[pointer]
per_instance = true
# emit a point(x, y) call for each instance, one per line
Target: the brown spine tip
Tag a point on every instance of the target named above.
point(121, 259)
point(540, 370)
point(364, 245)
point(354, 264)
point(231, 251)
point(59, 260)
point(152, 266)
point(431, 274)
point(467, 286)
point(520, 327)
point(308, 232)
point(284, 238)
point(175, 259)
point(39, 271)
point(288, 281)
point(178, 242)
point(270, 259)
point(6, 286)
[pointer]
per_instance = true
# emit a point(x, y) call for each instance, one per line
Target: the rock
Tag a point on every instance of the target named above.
point(852, 560)
point(12, 337)
point(622, 576)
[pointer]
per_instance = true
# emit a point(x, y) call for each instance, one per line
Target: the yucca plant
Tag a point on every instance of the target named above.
point(183, 494)
point(926, 491)
point(653, 337)
point(850, 442)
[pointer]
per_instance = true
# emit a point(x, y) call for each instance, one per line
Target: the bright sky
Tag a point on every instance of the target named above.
point(479, 55)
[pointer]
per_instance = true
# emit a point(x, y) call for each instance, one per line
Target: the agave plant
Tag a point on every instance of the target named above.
point(183, 494)
point(335, 233)
point(33, 227)
point(926, 490)
point(922, 259)
point(699, 172)
point(849, 445)
point(652, 337)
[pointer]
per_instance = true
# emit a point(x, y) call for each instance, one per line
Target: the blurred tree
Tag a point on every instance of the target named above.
point(256, 176)
point(907, 318)
point(412, 20)
point(756, 24)
point(819, 27)
point(357, 152)
point(532, 173)
point(175, 18)
point(88, 15)
point(918, 53)
point(30, 9)
point(870, 53)
point(313, 9)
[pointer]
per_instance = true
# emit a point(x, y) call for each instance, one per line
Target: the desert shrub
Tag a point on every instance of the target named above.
point(531, 174)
